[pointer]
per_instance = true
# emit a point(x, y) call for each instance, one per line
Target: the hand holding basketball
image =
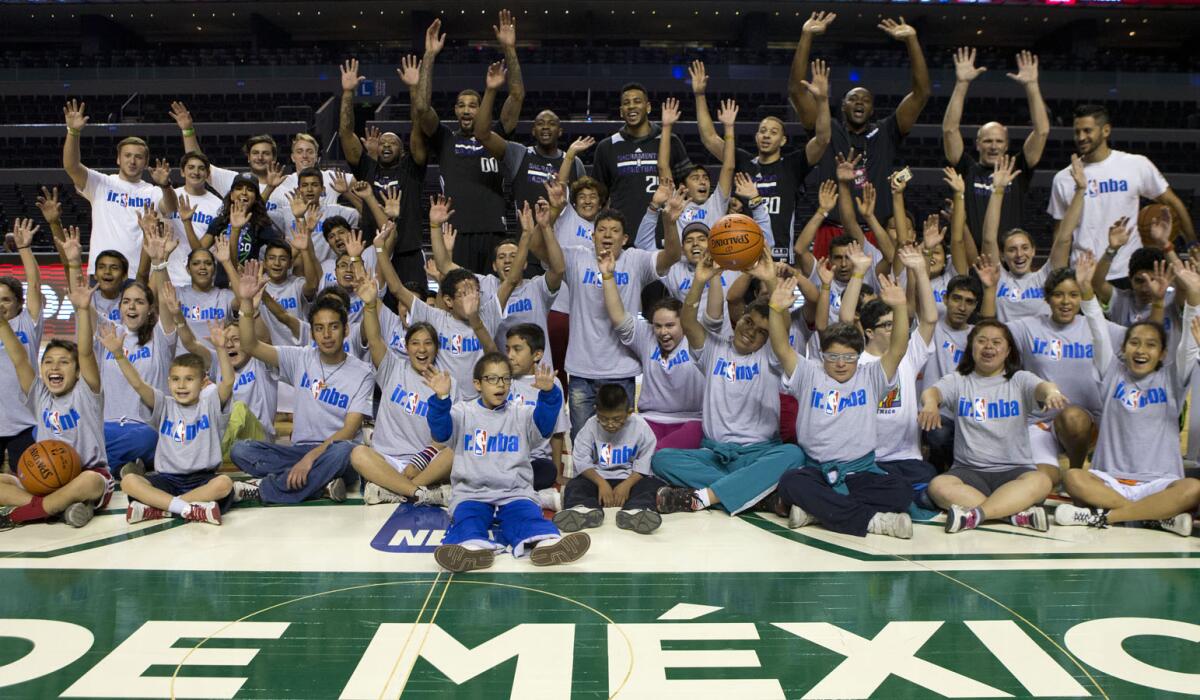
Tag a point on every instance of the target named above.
point(735, 242)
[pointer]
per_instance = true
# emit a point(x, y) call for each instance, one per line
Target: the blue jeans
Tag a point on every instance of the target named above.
point(581, 397)
point(125, 443)
point(271, 463)
point(520, 522)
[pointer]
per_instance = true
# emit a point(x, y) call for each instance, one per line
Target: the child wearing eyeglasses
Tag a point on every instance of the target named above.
point(492, 479)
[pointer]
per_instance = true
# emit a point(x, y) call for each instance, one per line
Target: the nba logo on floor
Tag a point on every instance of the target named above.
point(412, 529)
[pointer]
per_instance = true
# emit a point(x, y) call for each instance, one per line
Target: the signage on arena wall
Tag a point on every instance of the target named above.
point(57, 312)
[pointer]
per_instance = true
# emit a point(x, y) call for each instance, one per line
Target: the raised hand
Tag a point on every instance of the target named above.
point(252, 280)
point(355, 244)
point(1077, 172)
point(764, 268)
point(727, 113)
point(350, 77)
point(988, 271)
point(81, 296)
point(496, 75)
point(784, 295)
point(181, 115)
point(557, 193)
point(161, 172)
point(216, 334)
point(818, 22)
point(438, 381)
point(606, 263)
point(670, 111)
point(1118, 233)
point(468, 303)
point(706, 269)
point(439, 210)
point(449, 236)
point(302, 238)
point(296, 203)
point(866, 203)
point(662, 193)
point(964, 65)
point(340, 181)
point(73, 114)
point(744, 186)
point(827, 196)
point(312, 217)
point(897, 183)
point(434, 42)
point(148, 219)
point(541, 212)
point(1003, 173)
point(391, 201)
point(699, 77)
point(170, 299)
point(859, 258)
point(891, 293)
point(543, 378)
point(23, 231)
point(275, 176)
point(953, 180)
point(676, 202)
point(933, 234)
point(506, 30)
point(580, 145)
point(50, 205)
point(900, 31)
point(847, 166)
point(525, 217)
point(824, 272)
point(431, 270)
point(384, 234)
point(819, 86)
point(409, 70)
point(1027, 68)
point(1160, 229)
point(112, 338)
point(221, 249)
point(186, 210)
point(365, 287)
point(71, 246)
point(1186, 275)
point(911, 258)
point(362, 189)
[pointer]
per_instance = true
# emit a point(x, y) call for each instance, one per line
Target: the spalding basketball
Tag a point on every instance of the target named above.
point(48, 465)
point(735, 242)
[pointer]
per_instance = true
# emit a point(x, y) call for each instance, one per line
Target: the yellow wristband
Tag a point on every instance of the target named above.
point(783, 309)
point(857, 276)
point(72, 131)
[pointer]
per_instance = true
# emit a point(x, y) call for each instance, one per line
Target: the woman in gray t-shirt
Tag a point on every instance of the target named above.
point(990, 398)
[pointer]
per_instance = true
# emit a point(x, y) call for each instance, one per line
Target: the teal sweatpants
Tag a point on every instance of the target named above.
point(740, 475)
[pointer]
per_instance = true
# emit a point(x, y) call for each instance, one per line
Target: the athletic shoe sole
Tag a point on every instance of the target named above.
point(564, 551)
point(78, 514)
point(458, 559)
point(643, 522)
point(571, 520)
point(336, 490)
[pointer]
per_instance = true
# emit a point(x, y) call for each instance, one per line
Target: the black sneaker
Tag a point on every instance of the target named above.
point(677, 499)
point(773, 503)
point(577, 518)
point(6, 521)
point(639, 520)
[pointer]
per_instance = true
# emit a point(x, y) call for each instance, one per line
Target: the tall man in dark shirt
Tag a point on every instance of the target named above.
point(991, 141)
point(470, 175)
point(879, 140)
point(392, 168)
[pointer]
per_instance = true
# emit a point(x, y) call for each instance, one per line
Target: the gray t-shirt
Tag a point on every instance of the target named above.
point(897, 434)
point(290, 295)
point(741, 392)
point(492, 450)
point(523, 391)
point(327, 393)
point(189, 437)
point(106, 309)
point(1017, 297)
point(152, 362)
point(286, 223)
point(836, 421)
point(571, 230)
point(672, 386)
point(76, 418)
point(402, 429)
point(948, 348)
point(678, 282)
point(1124, 310)
point(15, 418)
point(990, 417)
point(594, 351)
point(1063, 355)
point(198, 308)
point(256, 384)
point(459, 348)
point(614, 455)
point(529, 303)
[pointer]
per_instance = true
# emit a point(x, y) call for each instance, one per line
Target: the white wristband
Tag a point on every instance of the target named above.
point(158, 267)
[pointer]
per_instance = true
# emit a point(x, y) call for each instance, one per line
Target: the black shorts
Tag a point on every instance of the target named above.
point(987, 482)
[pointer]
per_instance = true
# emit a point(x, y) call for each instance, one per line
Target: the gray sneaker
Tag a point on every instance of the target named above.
point(891, 524)
point(798, 518)
point(336, 490)
point(640, 520)
point(78, 514)
point(436, 496)
point(576, 518)
point(374, 494)
point(137, 466)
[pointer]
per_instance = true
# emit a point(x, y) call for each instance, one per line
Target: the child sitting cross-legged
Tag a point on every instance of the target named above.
point(611, 455)
point(492, 478)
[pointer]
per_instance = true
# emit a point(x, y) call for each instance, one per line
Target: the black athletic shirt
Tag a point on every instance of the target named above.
point(472, 178)
point(978, 179)
point(527, 171)
point(409, 176)
point(628, 167)
point(779, 183)
point(878, 144)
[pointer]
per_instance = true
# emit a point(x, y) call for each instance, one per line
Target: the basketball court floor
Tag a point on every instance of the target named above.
point(328, 600)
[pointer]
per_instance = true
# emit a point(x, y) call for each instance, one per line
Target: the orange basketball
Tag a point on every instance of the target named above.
point(735, 242)
point(48, 465)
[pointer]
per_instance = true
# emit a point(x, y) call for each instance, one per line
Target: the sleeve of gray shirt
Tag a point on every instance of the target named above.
point(645, 447)
point(948, 387)
point(644, 240)
point(581, 451)
point(762, 217)
point(1102, 355)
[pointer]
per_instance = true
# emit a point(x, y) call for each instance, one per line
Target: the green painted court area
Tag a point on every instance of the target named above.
point(310, 609)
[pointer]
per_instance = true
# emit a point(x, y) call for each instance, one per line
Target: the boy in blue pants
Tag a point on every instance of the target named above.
point(492, 479)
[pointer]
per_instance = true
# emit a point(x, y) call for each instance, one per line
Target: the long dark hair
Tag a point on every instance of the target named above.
point(1012, 362)
point(259, 221)
point(146, 332)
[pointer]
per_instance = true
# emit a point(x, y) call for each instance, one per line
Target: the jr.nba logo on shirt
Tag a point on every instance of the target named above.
point(980, 409)
point(58, 422)
point(1096, 188)
point(733, 372)
point(480, 443)
point(1135, 399)
point(833, 402)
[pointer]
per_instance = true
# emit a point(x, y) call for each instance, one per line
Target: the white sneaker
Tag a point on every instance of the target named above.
point(1033, 518)
point(436, 496)
point(1067, 515)
point(891, 524)
point(336, 490)
point(798, 518)
point(78, 514)
point(138, 511)
point(203, 512)
point(550, 499)
point(1180, 524)
point(374, 494)
point(246, 491)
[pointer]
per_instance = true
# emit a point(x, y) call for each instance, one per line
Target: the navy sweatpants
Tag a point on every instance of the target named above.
point(849, 513)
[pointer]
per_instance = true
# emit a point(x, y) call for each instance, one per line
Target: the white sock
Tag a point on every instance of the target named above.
point(547, 541)
point(702, 494)
point(178, 506)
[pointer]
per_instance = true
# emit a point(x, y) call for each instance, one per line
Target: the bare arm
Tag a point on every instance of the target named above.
point(959, 256)
point(1064, 234)
point(728, 116)
point(23, 232)
point(550, 251)
point(827, 199)
point(804, 104)
point(371, 331)
point(818, 90)
point(187, 128)
point(964, 72)
point(778, 326)
point(439, 215)
point(672, 247)
point(910, 107)
point(712, 141)
point(894, 297)
point(85, 328)
point(567, 169)
point(16, 354)
point(1027, 76)
point(423, 112)
point(612, 296)
point(693, 330)
point(252, 281)
point(670, 115)
point(492, 142)
point(73, 112)
point(506, 36)
point(351, 146)
point(1180, 212)
point(918, 271)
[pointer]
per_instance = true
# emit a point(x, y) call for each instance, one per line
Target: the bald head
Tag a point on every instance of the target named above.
point(547, 129)
point(992, 142)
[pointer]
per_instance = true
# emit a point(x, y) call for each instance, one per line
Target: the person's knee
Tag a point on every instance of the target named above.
point(1076, 479)
point(1074, 424)
point(1039, 481)
point(359, 456)
point(942, 484)
point(222, 484)
point(242, 452)
point(134, 480)
point(1190, 490)
point(91, 484)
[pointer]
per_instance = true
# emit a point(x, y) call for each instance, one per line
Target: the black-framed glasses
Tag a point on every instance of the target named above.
point(497, 379)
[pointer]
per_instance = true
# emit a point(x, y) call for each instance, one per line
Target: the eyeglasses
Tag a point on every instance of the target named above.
point(847, 357)
point(497, 379)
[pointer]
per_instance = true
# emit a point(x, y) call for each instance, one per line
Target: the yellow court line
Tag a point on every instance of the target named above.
point(420, 613)
point(428, 626)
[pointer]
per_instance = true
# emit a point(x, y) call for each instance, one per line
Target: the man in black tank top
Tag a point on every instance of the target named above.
point(469, 174)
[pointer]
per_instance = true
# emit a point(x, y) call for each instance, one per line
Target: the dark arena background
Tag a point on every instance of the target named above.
point(324, 600)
